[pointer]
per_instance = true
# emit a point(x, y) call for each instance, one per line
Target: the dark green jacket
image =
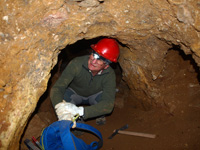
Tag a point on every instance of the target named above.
point(77, 76)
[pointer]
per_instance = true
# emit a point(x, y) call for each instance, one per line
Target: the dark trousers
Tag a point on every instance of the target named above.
point(72, 97)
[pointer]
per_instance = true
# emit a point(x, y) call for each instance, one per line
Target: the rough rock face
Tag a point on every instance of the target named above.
point(34, 32)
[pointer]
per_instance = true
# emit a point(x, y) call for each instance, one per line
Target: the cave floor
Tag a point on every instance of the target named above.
point(176, 127)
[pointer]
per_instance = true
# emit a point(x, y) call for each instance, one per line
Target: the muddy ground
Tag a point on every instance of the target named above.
point(176, 124)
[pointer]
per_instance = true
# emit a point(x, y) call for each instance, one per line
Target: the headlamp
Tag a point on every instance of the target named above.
point(99, 57)
point(96, 56)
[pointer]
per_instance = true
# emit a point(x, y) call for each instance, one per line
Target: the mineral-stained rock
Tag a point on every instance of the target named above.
point(32, 33)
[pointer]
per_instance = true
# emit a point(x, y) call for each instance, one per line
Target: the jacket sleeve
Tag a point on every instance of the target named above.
point(58, 89)
point(106, 104)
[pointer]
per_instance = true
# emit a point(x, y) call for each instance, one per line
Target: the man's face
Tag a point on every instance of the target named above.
point(95, 64)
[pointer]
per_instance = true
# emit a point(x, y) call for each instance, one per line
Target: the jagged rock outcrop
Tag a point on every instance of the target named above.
point(34, 32)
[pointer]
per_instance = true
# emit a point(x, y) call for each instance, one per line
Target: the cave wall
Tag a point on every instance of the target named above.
point(32, 34)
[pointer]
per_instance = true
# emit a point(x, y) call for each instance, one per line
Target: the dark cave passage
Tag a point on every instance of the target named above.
point(193, 64)
point(77, 49)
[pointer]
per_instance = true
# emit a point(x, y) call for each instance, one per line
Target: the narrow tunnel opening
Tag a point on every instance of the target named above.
point(192, 63)
point(44, 113)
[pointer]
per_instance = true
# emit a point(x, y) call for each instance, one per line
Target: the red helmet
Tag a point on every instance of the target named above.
point(107, 48)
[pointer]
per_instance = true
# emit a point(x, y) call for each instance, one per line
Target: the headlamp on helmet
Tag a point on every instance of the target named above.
point(99, 57)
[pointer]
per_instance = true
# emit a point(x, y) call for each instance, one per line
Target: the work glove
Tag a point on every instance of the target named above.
point(65, 116)
point(66, 107)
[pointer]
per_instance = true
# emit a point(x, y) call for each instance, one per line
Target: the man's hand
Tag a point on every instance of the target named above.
point(63, 114)
point(65, 107)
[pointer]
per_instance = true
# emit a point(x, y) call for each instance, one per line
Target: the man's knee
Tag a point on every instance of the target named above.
point(96, 98)
point(76, 99)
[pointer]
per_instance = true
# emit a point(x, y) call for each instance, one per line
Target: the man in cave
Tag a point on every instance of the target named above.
point(87, 85)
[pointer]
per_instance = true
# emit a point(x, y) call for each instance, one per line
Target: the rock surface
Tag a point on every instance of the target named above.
point(32, 34)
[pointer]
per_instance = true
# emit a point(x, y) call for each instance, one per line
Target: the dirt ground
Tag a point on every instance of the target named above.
point(176, 125)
